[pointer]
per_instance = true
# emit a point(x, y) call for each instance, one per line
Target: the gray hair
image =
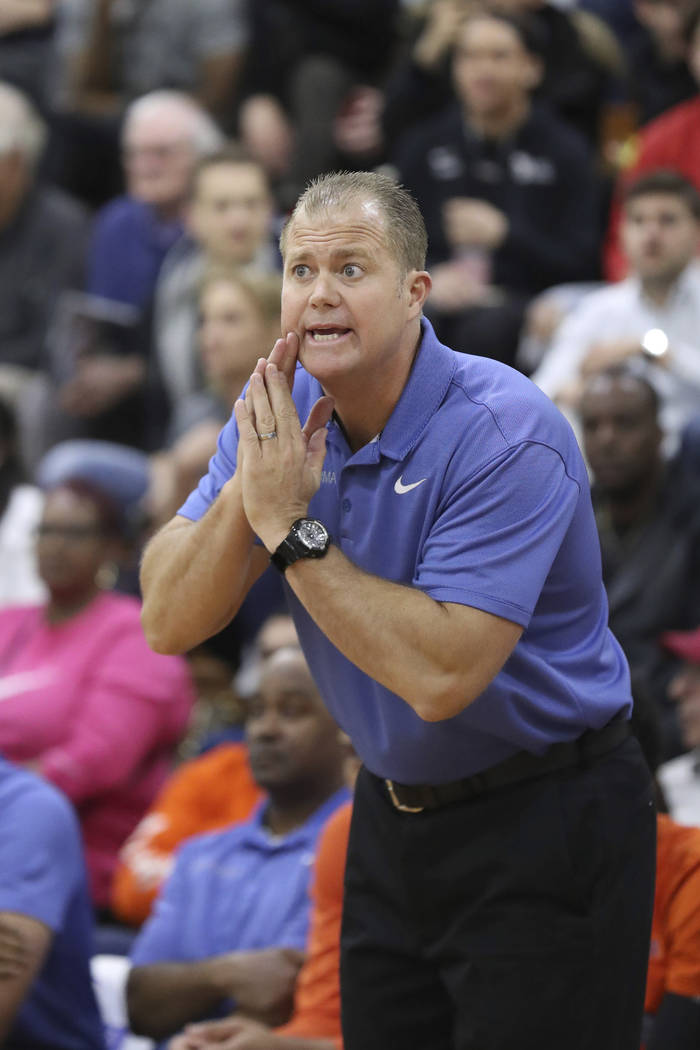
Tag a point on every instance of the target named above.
point(203, 133)
point(404, 228)
point(21, 128)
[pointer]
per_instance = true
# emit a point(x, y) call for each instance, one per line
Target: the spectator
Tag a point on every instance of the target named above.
point(315, 1022)
point(230, 921)
point(84, 700)
point(505, 188)
point(680, 778)
point(648, 518)
point(307, 60)
point(43, 237)
point(653, 317)
point(229, 223)
point(581, 60)
point(164, 135)
point(114, 52)
point(20, 510)
point(659, 77)
point(205, 793)
point(671, 141)
point(46, 996)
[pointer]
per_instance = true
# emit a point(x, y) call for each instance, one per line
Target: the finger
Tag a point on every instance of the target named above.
point(248, 438)
point(284, 356)
point(319, 416)
point(283, 409)
point(265, 416)
point(316, 454)
point(260, 369)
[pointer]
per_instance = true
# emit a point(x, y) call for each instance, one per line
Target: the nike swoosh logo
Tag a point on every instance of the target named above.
point(400, 488)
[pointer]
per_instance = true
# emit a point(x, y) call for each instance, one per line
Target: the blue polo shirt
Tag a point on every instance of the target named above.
point(475, 492)
point(240, 889)
point(42, 875)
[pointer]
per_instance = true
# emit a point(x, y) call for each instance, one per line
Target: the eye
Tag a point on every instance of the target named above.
point(300, 271)
point(351, 270)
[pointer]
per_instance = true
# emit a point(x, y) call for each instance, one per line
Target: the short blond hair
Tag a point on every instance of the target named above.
point(404, 228)
point(264, 290)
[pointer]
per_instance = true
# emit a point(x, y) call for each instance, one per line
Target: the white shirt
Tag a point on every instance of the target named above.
point(621, 311)
point(19, 580)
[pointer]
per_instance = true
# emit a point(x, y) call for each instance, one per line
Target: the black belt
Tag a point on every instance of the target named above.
point(413, 798)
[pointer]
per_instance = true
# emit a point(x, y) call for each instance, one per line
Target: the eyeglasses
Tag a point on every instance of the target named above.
point(69, 533)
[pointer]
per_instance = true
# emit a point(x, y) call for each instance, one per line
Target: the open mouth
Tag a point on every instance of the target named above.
point(326, 335)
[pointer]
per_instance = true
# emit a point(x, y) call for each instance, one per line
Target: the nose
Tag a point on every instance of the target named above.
point(265, 725)
point(324, 291)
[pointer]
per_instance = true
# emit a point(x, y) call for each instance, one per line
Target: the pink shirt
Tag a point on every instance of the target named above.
point(99, 709)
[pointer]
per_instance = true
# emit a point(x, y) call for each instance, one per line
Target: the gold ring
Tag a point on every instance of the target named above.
point(267, 437)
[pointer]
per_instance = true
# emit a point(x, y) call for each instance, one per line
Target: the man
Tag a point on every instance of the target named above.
point(43, 240)
point(680, 778)
point(506, 188)
point(653, 317)
point(456, 626)
point(670, 141)
point(231, 921)
point(648, 517)
point(46, 996)
point(229, 222)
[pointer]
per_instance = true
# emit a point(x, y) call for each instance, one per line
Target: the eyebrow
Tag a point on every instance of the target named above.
point(352, 251)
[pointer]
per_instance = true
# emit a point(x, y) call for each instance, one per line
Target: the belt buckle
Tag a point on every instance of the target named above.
point(397, 803)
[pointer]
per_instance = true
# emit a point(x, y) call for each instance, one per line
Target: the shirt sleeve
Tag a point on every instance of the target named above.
point(41, 856)
point(683, 934)
point(498, 532)
point(159, 939)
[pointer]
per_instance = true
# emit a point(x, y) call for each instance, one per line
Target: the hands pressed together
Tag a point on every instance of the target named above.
point(279, 461)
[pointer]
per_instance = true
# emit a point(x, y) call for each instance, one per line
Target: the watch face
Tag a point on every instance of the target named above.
point(312, 534)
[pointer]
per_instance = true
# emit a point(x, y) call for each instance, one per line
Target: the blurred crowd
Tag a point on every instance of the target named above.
point(149, 154)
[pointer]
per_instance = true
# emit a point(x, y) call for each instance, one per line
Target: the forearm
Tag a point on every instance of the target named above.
point(195, 575)
point(401, 637)
point(163, 997)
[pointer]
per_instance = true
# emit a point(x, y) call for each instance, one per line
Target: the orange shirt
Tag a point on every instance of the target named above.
point(674, 957)
point(205, 793)
point(317, 994)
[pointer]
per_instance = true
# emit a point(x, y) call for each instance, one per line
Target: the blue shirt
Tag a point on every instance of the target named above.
point(129, 244)
point(240, 889)
point(476, 493)
point(42, 875)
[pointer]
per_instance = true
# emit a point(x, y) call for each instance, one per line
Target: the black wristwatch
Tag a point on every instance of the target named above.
point(307, 538)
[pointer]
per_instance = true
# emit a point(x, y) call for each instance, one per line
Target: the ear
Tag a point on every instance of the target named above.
point(418, 285)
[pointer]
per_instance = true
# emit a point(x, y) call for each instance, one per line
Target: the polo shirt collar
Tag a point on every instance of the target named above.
point(424, 392)
point(255, 834)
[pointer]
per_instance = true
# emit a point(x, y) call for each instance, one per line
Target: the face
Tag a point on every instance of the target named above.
point(276, 633)
point(233, 333)
point(292, 740)
point(346, 298)
point(659, 235)
point(685, 690)
point(231, 212)
point(158, 159)
point(71, 545)
point(621, 436)
point(491, 69)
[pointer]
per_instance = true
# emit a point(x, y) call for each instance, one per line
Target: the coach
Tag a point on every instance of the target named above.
point(433, 523)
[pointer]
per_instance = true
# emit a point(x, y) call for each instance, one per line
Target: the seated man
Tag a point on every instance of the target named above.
point(680, 778)
point(231, 920)
point(648, 518)
point(653, 317)
point(46, 996)
point(507, 190)
point(211, 791)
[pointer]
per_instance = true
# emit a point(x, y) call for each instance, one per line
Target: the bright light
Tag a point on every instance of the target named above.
point(655, 342)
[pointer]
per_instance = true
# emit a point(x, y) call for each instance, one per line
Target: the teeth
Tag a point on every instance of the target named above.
point(325, 337)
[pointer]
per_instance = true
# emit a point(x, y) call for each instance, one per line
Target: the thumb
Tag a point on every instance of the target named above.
point(316, 453)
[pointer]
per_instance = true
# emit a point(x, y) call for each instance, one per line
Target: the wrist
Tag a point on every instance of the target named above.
point(275, 532)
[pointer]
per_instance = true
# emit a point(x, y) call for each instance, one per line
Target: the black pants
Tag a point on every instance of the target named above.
point(519, 919)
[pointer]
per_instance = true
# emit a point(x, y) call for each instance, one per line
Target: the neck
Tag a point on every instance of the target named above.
point(361, 417)
point(502, 124)
point(61, 607)
point(658, 289)
point(291, 806)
